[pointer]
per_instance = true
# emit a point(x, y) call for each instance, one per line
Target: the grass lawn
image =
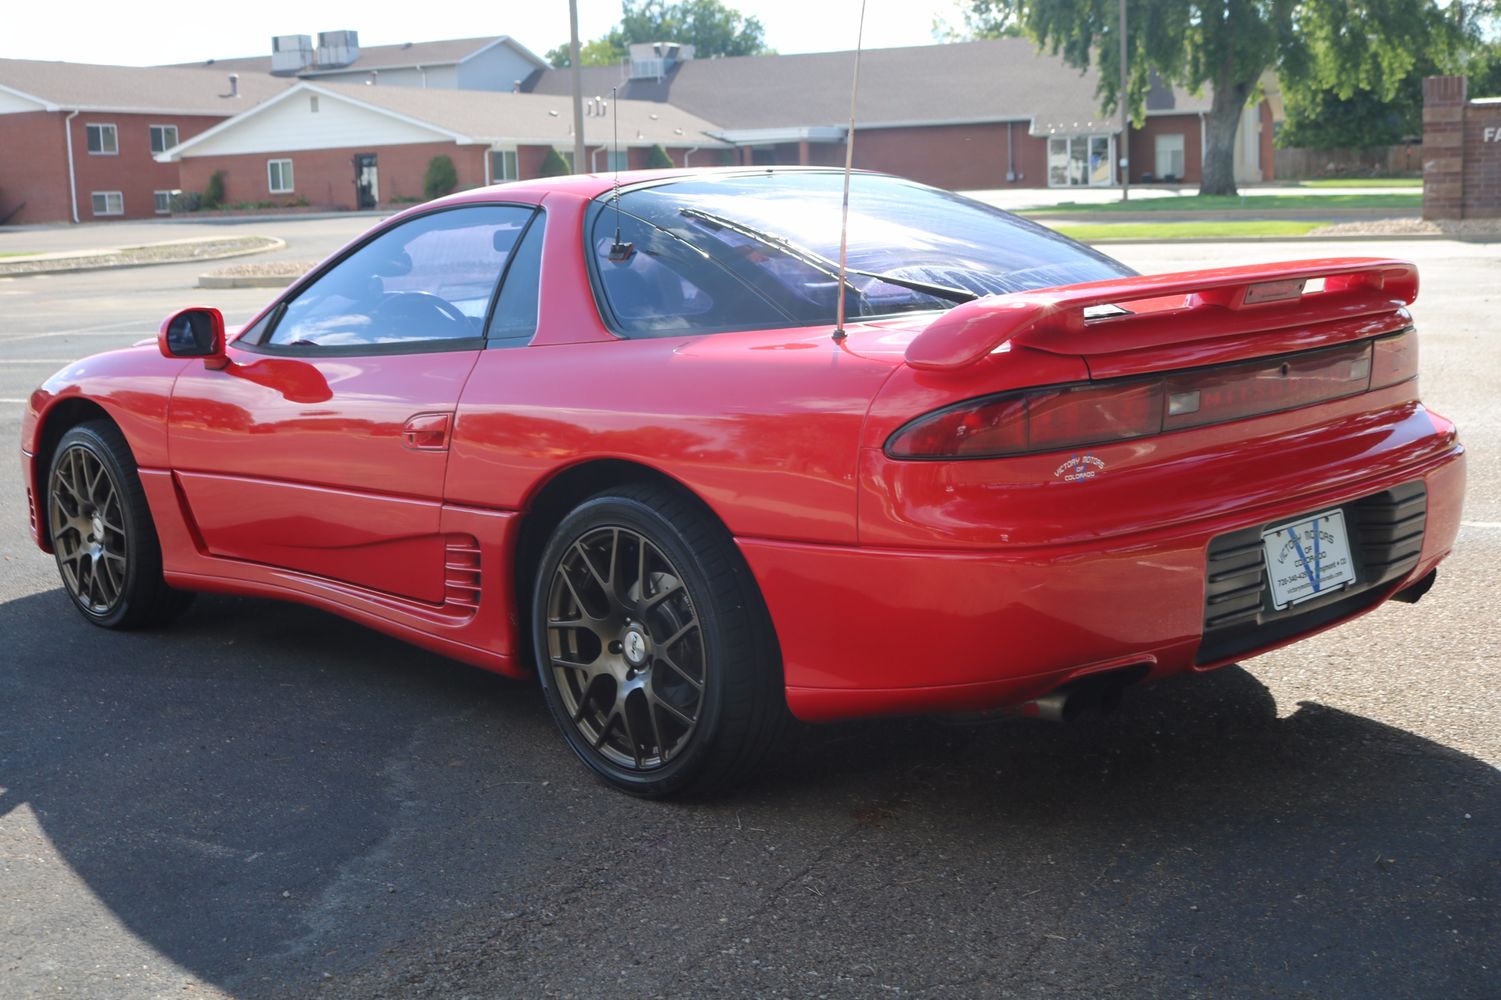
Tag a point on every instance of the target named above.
point(1238, 203)
point(1179, 230)
point(16, 253)
point(1363, 182)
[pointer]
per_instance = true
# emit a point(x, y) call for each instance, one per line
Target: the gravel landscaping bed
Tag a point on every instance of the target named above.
point(174, 252)
point(259, 274)
point(1466, 229)
point(265, 269)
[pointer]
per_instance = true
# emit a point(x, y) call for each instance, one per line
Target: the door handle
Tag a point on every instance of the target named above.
point(427, 432)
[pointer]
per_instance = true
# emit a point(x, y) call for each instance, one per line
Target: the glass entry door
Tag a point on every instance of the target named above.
point(1081, 161)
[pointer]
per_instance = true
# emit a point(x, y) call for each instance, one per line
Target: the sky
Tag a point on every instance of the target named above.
point(175, 31)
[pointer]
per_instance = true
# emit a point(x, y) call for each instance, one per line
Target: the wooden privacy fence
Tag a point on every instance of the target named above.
point(1375, 161)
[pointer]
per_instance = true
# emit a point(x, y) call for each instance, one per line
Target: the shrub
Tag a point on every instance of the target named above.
point(658, 158)
point(441, 177)
point(553, 165)
point(213, 195)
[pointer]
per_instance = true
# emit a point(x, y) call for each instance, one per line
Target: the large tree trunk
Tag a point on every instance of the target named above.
point(1219, 134)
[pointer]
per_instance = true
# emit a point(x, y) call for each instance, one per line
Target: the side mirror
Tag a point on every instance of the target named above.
point(195, 333)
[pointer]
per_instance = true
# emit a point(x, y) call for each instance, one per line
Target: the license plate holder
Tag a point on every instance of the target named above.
point(1307, 558)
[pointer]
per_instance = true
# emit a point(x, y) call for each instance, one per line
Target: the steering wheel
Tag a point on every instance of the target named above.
point(419, 309)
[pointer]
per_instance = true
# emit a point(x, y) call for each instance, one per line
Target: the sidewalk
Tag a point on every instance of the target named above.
point(1014, 199)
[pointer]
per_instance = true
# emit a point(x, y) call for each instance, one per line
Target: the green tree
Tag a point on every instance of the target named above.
point(441, 177)
point(553, 165)
point(711, 27)
point(1339, 45)
point(658, 158)
point(599, 52)
point(1484, 70)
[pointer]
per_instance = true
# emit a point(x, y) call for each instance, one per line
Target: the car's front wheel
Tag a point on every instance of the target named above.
point(102, 536)
point(653, 644)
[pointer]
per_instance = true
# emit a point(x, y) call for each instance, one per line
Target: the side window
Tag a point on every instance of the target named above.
point(668, 288)
point(430, 279)
point(515, 319)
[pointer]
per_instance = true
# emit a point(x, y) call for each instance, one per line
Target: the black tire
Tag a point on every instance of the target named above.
point(102, 535)
point(698, 614)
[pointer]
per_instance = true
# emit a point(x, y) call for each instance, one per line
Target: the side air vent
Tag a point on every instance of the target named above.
point(461, 573)
point(1386, 539)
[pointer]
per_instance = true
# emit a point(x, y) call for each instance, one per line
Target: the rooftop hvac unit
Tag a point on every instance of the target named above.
point(653, 60)
point(337, 48)
point(291, 53)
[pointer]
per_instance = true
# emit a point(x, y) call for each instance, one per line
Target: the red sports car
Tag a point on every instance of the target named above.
point(616, 441)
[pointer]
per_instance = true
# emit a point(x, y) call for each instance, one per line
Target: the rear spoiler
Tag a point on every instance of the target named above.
point(1187, 306)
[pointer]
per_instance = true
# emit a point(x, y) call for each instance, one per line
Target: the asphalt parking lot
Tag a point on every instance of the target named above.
point(267, 801)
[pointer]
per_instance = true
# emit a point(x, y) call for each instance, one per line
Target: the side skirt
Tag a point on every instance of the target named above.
point(475, 624)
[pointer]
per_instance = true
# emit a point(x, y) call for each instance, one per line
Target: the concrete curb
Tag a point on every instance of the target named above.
point(276, 244)
point(245, 280)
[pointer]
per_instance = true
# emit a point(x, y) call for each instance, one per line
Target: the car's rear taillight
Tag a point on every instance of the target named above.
point(1395, 360)
point(1088, 413)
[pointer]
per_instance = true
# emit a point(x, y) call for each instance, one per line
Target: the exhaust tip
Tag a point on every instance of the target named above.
point(1414, 593)
point(1097, 693)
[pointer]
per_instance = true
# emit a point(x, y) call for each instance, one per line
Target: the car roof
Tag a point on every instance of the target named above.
point(594, 185)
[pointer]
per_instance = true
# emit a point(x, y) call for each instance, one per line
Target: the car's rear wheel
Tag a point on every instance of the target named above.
point(654, 647)
point(102, 536)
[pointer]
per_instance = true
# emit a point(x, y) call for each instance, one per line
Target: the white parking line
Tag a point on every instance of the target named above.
point(38, 361)
point(1491, 525)
point(12, 400)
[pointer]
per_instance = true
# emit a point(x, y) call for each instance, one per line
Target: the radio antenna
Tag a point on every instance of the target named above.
point(619, 251)
point(849, 163)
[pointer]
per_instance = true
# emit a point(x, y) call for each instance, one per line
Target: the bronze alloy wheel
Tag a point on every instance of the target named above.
point(102, 534)
point(625, 648)
point(88, 530)
point(655, 651)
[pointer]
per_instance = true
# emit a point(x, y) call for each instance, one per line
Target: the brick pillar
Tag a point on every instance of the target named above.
point(1443, 147)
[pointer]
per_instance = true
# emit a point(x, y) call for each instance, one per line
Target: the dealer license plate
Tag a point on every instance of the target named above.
point(1308, 559)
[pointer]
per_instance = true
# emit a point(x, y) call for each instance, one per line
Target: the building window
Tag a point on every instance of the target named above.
point(102, 140)
point(163, 201)
point(620, 160)
point(1169, 163)
point(279, 176)
point(503, 166)
point(163, 137)
point(108, 203)
point(312, 104)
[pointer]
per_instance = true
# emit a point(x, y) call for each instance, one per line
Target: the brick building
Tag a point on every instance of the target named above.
point(78, 142)
point(970, 115)
point(1461, 151)
point(81, 143)
point(345, 147)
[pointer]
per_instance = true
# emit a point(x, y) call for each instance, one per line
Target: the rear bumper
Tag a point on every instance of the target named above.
point(873, 631)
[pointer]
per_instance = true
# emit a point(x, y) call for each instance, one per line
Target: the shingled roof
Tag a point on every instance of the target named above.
point(89, 87)
point(1004, 79)
point(484, 117)
point(443, 52)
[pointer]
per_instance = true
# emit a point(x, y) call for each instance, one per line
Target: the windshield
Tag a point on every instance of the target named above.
point(749, 251)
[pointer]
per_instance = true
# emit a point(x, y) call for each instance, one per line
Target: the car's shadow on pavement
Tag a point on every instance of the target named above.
point(284, 803)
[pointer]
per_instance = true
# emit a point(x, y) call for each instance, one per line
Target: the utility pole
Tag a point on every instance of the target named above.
point(1125, 150)
point(578, 85)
